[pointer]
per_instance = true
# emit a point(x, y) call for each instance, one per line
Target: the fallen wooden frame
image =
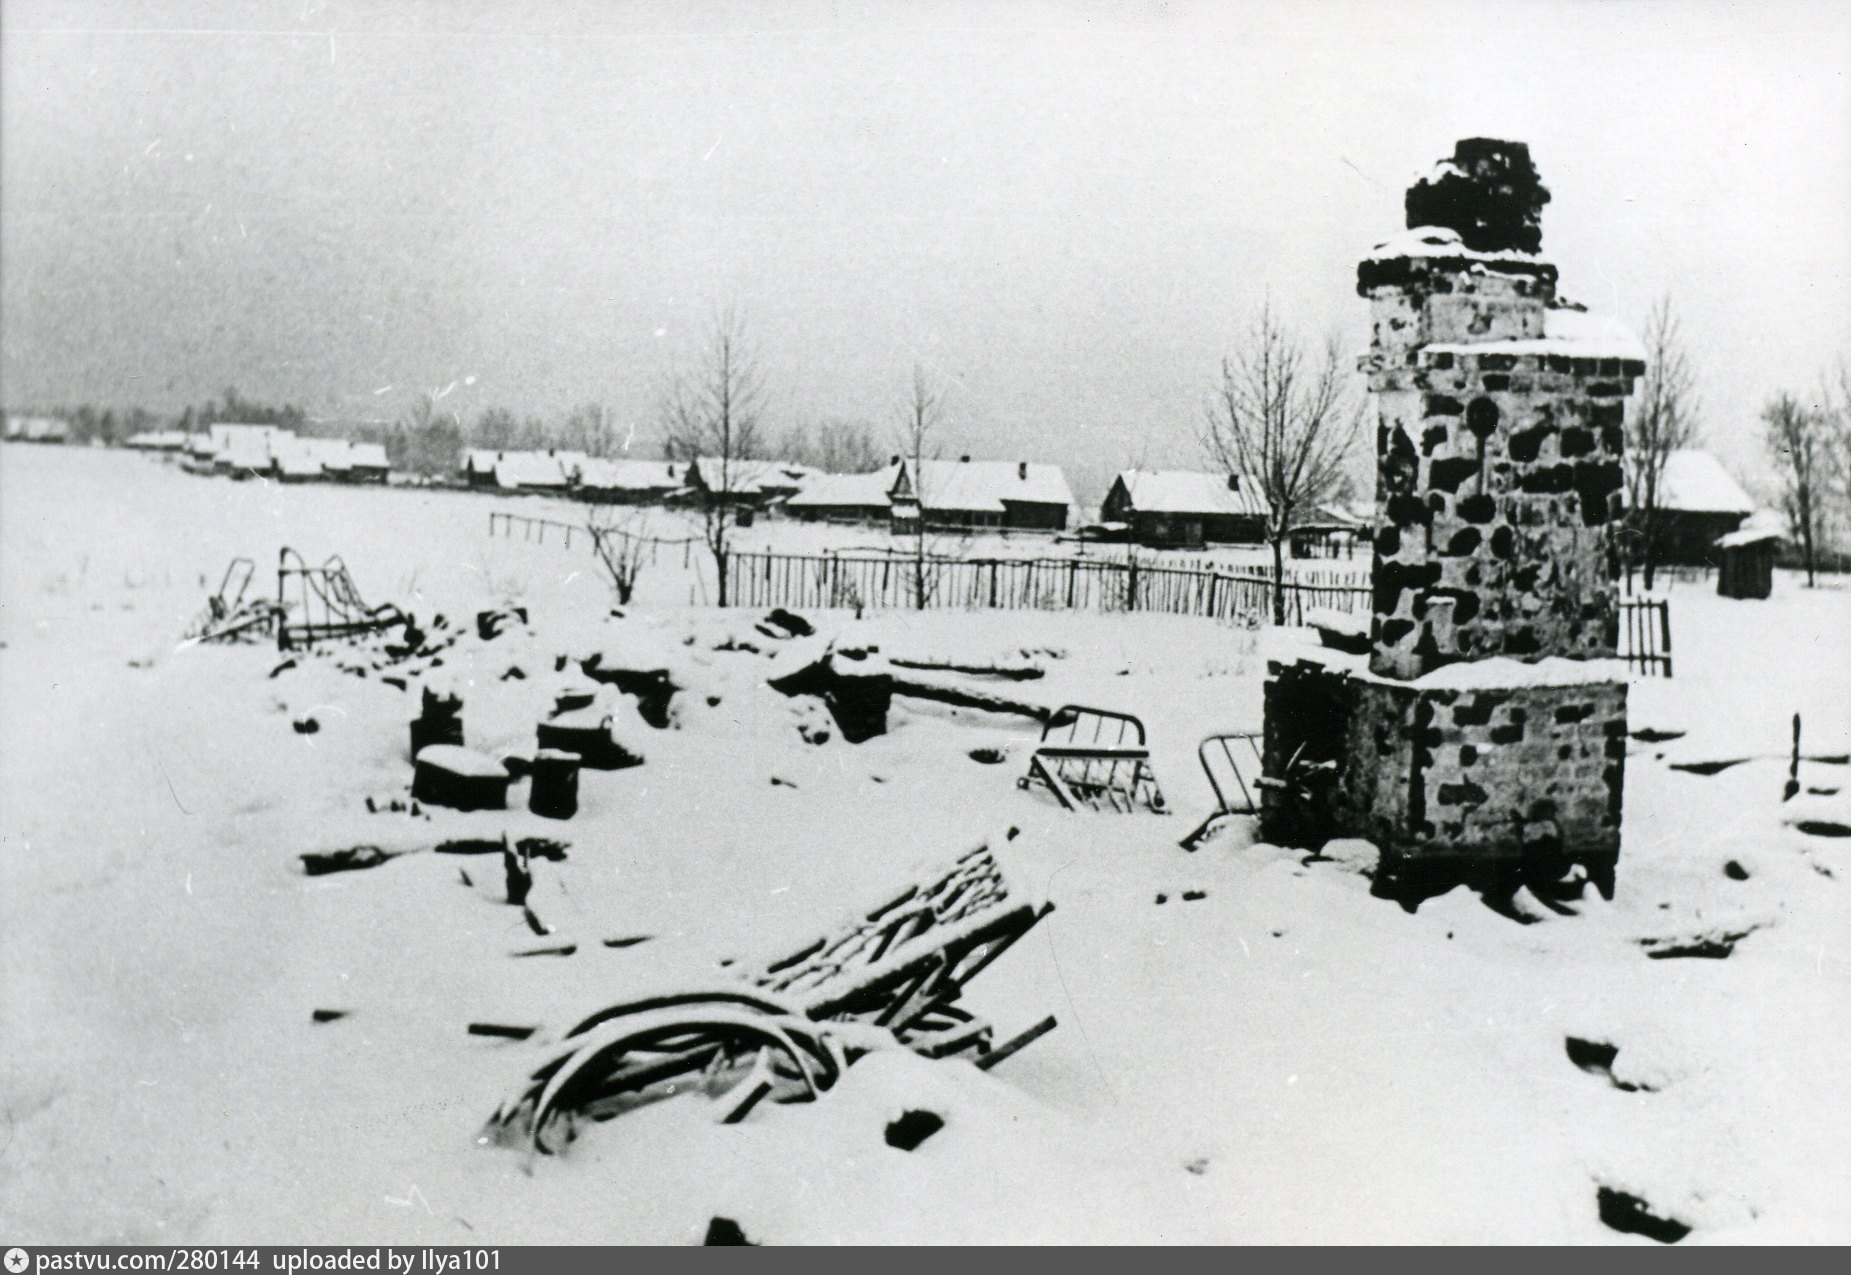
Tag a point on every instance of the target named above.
point(890, 977)
point(1095, 759)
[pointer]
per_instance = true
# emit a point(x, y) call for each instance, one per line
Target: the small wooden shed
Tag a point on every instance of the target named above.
point(1747, 567)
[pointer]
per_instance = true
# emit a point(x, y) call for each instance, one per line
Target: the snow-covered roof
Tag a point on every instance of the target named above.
point(299, 464)
point(846, 490)
point(481, 460)
point(34, 427)
point(157, 440)
point(737, 475)
point(1181, 491)
point(984, 485)
point(1695, 482)
point(529, 469)
point(224, 432)
point(624, 474)
point(247, 451)
point(1748, 536)
point(367, 456)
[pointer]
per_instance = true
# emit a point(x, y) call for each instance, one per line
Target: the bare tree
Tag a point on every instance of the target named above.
point(713, 413)
point(1281, 421)
point(1839, 441)
point(835, 447)
point(495, 429)
point(620, 548)
point(846, 447)
point(589, 429)
point(918, 434)
point(1796, 440)
point(1662, 421)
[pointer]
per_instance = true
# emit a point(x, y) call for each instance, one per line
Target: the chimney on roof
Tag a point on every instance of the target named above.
point(894, 461)
point(964, 460)
point(1233, 482)
point(1021, 471)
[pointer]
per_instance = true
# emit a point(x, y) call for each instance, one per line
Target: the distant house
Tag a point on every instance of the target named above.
point(845, 497)
point(1185, 509)
point(630, 482)
point(300, 466)
point(36, 429)
point(157, 441)
point(742, 482)
point(365, 463)
point(971, 494)
point(530, 471)
point(479, 466)
point(1698, 504)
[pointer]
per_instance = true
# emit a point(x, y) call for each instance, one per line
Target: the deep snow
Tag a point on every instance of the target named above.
point(1283, 1059)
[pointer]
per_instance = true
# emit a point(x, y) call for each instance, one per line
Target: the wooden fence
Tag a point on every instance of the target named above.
point(891, 582)
point(1029, 584)
point(1645, 635)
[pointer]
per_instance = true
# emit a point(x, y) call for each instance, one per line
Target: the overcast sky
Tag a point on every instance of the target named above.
point(1067, 212)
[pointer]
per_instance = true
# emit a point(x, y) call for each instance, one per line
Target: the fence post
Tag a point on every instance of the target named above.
point(1664, 625)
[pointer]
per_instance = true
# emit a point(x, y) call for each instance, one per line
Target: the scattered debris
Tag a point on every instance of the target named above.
point(320, 863)
point(1096, 758)
point(1234, 766)
point(502, 1030)
point(553, 793)
point(793, 624)
point(587, 734)
point(460, 778)
point(439, 721)
point(988, 756)
point(1651, 735)
point(1735, 871)
point(891, 978)
point(1714, 947)
point(911, 1128)
point(315, 604)
point(305, 725)
point(1596, 1057)
point(328, 1015)
point(1008, 672)
point(653, 689)
point(1707, 768)
point(1629, 1215)
point(723, 1230)
point(1006, 1050)
point(492, 623)
point(518, 873)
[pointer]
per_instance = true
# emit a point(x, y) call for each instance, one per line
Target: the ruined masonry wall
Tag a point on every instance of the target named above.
point(1500, 482)
point(1486, 774)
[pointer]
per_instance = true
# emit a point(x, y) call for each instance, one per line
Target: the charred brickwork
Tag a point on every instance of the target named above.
point(1499, 446)
point(1499, 486)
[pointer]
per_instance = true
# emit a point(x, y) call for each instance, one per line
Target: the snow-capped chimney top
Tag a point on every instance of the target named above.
point(894, 461)
point(1021, 471)
point(1233, 482)
point(964, 460)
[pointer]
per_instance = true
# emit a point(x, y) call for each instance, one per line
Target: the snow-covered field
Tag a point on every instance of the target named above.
point(1284, 1058)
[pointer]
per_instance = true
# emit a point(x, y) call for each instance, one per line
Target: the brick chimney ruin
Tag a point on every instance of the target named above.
point(1483, 739)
